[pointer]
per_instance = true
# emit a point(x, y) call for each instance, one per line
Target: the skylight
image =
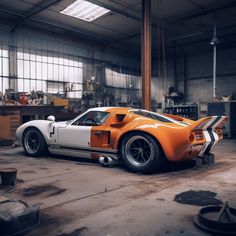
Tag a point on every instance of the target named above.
point(84, 10)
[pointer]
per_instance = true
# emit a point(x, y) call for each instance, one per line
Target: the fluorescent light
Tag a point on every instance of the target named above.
point(84, 10)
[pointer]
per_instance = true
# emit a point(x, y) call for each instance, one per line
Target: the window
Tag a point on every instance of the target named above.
point(152, 115)
point(55, 87)
point(92, 118)
point(49, 72)
point(123, 79)
point(4, 68)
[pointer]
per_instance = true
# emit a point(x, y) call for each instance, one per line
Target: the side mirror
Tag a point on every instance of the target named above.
point(51, 118)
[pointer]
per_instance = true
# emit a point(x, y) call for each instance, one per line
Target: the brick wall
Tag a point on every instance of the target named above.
point(9, 122)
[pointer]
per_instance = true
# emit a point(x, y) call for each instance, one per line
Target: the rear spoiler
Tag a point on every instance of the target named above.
point(210, 122)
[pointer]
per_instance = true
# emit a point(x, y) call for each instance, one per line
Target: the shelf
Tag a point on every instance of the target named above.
point(186, 111)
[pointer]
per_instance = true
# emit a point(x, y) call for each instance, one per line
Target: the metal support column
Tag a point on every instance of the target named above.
point(185, 76)
point(175, 67)
point(146, 54)
point(214, 43)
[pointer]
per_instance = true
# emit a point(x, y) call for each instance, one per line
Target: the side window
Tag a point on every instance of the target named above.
point(153, 116)
point(92, 118)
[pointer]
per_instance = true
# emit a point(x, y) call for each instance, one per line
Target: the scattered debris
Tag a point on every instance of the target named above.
point(43, 168)
point(17, 217)
point(76, 232)
point(160, 199)
point(28, 172)
point(10, 190)
point(47, 219)
point(219, 220)
point(19, 181)
point(198, 198)
point(39, 189)
point(8, 143)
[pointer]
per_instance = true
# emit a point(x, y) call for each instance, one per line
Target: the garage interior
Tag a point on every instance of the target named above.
point(175, 57)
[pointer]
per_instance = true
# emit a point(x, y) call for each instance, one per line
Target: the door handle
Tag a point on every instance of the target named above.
point(99, 132)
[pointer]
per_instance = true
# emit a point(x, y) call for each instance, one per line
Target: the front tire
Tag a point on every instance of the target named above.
point(141, 153)
point(34, 143)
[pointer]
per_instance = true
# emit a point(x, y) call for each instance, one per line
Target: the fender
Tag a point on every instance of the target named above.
point(47, 129)
point(169, 141)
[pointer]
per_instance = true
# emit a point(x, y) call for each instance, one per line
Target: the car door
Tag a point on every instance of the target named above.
point(74, 136)
point(83, 131)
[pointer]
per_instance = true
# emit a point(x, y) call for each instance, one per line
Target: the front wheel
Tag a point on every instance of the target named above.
point(34, 143)
point(141, 153)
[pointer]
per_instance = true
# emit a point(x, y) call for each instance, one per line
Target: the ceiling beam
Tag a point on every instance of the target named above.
point(120, 11)
point(116, 10)
point(120, 40)
point(35, 10)
point(202, 12)
point(64, 27)
point(83, 34)
point(123, 13)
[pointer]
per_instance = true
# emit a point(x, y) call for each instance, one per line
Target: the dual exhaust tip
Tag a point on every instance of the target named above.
point(107, 161)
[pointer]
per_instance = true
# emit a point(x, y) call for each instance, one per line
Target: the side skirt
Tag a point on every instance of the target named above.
point(84, 153)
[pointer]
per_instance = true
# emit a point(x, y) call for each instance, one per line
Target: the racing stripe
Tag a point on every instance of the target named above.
point(210, 135)
point(210, 122)
point(216, 139)
point(208, 141)
point(220, 121)
point(210, 146)
point(213, 136)
point(217, 118)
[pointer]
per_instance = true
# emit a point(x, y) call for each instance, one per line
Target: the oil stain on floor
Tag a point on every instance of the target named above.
point(48, 189)
point(198, 198)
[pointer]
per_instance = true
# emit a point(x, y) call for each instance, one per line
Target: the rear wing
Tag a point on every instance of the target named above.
point(210, 122)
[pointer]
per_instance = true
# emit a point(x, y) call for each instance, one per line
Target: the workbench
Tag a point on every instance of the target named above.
point(11, 117)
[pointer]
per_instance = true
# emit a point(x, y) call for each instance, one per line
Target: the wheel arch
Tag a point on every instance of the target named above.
point(42, 146)
point(31, 127)
point(140, 132)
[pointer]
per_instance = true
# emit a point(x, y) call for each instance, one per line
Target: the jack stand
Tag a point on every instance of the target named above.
point(198, 162)
point(211, 159)
point(208, 159)
point(205, 160)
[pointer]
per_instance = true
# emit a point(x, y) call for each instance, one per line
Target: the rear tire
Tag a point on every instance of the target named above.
point(34, 143)
point(141, 153)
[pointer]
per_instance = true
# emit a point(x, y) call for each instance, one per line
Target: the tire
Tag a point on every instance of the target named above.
point(141, 153)
point(34, 143)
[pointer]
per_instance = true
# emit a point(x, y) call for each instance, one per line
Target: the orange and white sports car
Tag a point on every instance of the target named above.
point(141, 139)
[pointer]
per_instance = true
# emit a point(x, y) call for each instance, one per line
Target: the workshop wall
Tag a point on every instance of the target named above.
point(199, 76)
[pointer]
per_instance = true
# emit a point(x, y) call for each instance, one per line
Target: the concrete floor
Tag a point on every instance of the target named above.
point(83, 198)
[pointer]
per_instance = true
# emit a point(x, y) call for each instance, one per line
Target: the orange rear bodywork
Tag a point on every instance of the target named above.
point(178, 141)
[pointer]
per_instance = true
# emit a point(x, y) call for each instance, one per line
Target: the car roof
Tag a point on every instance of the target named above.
point(110, 109)
point(130, 109)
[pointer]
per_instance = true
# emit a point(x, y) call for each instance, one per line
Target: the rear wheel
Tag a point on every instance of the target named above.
point(34, 143)
point(141, 153)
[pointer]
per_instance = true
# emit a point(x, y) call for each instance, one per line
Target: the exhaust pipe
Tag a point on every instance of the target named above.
point(107, 161)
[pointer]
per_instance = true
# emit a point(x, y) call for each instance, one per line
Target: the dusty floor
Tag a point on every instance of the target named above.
point(82, 198)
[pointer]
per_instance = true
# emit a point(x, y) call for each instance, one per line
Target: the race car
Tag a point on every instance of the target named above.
point(141, 139)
